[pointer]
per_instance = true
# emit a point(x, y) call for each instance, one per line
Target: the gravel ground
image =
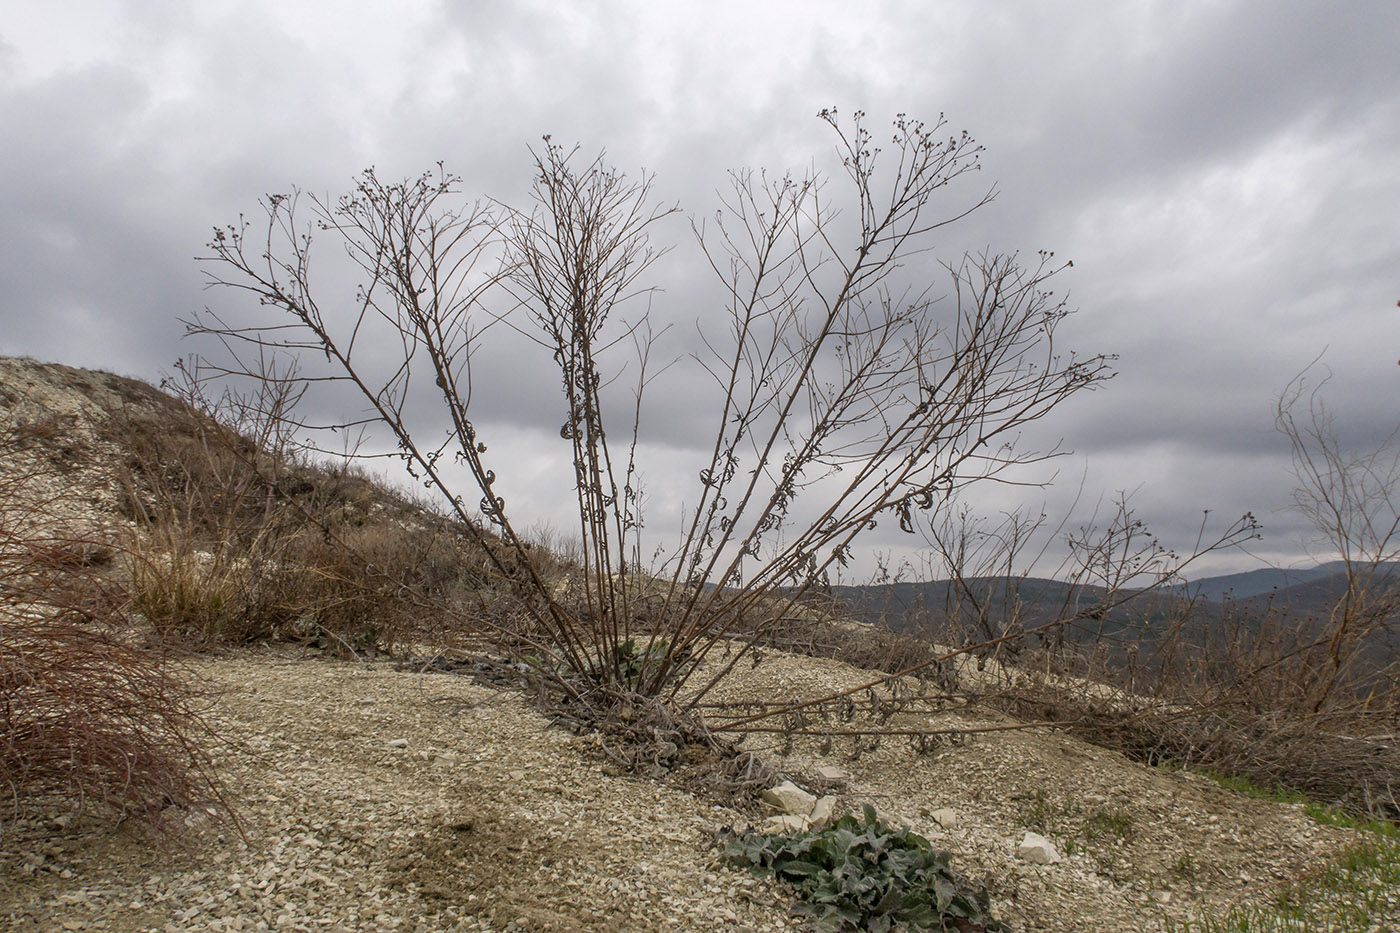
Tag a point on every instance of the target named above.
point(378, 799)
point(375, 799)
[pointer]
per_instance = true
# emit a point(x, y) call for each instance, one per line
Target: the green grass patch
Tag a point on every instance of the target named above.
point(1319, 812)
point(1358, 892)
point(1331, 816)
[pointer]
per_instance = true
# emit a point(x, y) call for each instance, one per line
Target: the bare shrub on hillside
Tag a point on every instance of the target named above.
point(1301, 699)
point(1052, 651)
point(1352, 499)
point(848, 380)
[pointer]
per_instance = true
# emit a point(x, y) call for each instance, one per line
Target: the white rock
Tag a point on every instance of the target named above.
point(832, 773)
point(398, 743)
point(1036, 848)
point(790, 798)
point(946, 817)
point(823, 812)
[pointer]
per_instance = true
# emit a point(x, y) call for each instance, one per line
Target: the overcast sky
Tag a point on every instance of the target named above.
point(1224, 175)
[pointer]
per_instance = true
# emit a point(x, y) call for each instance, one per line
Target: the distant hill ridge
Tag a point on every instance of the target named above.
point(1267, 580)
point(1038, 600)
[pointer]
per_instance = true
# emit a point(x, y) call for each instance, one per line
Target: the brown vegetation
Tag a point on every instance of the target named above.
point(89, 720)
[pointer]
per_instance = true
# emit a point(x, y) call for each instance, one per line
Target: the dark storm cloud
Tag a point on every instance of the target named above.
point(86, 241)
point(1086, 105)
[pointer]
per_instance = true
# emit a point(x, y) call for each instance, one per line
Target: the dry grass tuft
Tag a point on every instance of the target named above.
point(89, 720)
point(237, 543)
point(92, 722)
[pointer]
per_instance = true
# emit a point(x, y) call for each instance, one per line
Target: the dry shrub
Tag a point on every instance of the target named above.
point(190, 595)
point(1250, 694)
point(1272, 697)
point(1299, 692)
point(88, 719)
point(349, 588)
point(376, 584)
point(241, 543)
point(824, 628)
point(816, 368)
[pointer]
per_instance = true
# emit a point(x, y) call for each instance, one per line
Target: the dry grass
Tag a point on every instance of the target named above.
point(89, 721)
point(239, 544)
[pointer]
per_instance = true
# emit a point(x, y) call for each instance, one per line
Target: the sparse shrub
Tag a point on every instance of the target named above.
point(94, 722)
point(1304, 701)
point(841, 375)
point(190, 595)
point(860, 874)
point(87, 719)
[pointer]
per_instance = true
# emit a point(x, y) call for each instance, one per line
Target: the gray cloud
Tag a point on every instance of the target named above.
point(1221, 173)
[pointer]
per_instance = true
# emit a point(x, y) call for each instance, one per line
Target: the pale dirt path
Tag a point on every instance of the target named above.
point(487, 818)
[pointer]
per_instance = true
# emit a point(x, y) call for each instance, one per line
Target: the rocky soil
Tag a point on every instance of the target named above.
point(375, 798)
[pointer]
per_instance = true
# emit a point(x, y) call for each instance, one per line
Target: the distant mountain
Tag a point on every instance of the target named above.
point(1301, 593)
point(1255, 582)
point(910, 606)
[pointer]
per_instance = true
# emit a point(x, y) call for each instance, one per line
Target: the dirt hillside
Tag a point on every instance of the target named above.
point(375, 796)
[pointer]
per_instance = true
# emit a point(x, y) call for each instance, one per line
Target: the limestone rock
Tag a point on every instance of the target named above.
point(946, 817)
point(833, 774)
point(789, 798)
point(1037, 849)
point(823, 812)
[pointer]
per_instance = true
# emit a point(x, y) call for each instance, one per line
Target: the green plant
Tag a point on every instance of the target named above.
point(1041, 814)
point(861, 874)
point(1185, 866)
point(1112, 822)
point(1358, 892)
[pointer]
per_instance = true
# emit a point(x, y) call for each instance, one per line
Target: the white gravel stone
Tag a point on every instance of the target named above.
point(824, 812)
point(946, 817)
point(789, 798)
point(1038, 850)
